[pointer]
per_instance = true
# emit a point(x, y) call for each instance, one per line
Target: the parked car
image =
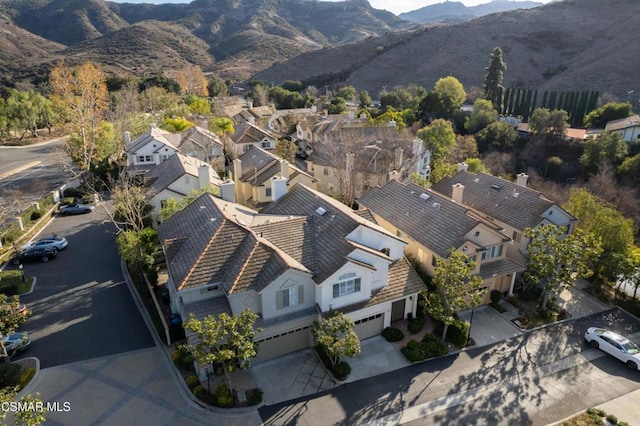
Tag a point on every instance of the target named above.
point(16, 342)
point(76, 209)
point(34, 253)
point(614, 344)
point(58, 243)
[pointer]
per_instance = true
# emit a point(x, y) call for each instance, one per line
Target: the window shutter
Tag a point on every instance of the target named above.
point(357, 285)
point(336, 290)
point(300, 294)
point(278, 300)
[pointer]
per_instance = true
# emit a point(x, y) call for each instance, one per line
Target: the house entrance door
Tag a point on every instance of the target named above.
point(397, 310)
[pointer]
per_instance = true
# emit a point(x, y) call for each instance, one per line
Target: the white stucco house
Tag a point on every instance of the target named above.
point(306, 254)
point(628, 128)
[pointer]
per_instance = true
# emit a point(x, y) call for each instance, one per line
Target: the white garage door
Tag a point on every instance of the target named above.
point(370, 326)
point(281, 344)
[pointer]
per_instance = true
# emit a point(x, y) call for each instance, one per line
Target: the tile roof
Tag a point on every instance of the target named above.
point(516, 205)
point(623, 123)
point(329, 229)
point(200, 137)
point(173, 168)
point(209, 241)
point(259, 165)
point(249, 133)
point(294, 236)
point(436, 223)
point(153, 134)
point(499, 267)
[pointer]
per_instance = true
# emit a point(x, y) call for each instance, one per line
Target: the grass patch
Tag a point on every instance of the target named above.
point(11, 283)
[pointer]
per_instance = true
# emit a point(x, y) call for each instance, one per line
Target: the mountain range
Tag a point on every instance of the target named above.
point(455, 12)
point(566, 45)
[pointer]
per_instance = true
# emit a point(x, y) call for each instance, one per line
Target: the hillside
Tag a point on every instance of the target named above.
point(232, 38)
point(455, 12)
point(570, 45)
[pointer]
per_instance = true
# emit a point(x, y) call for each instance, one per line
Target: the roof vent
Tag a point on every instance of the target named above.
point(240, 221)
point(495, 186)
point(436, 205)
point(425, 196)
point(321, 211)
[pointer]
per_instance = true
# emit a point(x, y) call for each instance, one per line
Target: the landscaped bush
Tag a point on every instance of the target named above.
point(612, 419)
point(223, 396)
point(339, 370)
point(9, 288)
point(35, 215)
point(413, 351)
point(392, 334)
point(182, 358)
point(434, 349)
point(67, 200)
point(11, 234)
point(458, 334)
point(531, 293)
point(199, 391)
point(496, 296)
point(430, 347)
point(415, 325)
point(192, 381)
point(342, 370)
point(254, 396)
point(9, 374)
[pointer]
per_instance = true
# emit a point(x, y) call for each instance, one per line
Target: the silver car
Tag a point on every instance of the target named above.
point(614, 344)
point(16, 342)
point(76, 209)
point(58, 243)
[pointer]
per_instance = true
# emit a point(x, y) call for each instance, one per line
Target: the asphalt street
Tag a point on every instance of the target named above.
point(533, 379)
point(81, 306)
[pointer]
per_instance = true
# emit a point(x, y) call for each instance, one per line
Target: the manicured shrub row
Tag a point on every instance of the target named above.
point(429, 347)
point(415, 325)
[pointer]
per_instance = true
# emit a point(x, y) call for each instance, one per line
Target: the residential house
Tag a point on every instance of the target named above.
point(353, 159)
point(177, 177)
point(510, 205)
point(303, 256)
point(283, 121)
point(628, 128)
point(149, 149)
point(246, 135)
point(261, 177)
point(204, 145)
point(433, 225)
point(524, 131)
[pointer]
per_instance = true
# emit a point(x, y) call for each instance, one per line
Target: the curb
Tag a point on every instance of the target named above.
point(34, 382)
point(19, 169)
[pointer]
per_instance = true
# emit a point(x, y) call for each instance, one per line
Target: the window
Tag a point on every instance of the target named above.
point(516, 236)
point(144, 158)
point(325, 172)
point(290, 296)
point(433, 260)
point(494, 251)
point(268, 192)
point(399, 234)
point(346, 287)
point(266, 144)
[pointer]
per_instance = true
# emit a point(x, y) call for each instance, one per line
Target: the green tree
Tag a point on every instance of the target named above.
point(474, 165)
point(365, 99)
point(137, 248)
point(171, 206)
point(549, 125)
point(598, 118)
point(390, 115)
point(337, 106)
point(80, 94)
point(450, 94)
point(555, 260)
point(419, 180)
point(457, 289)
point(439, 138)
point(493, 78)
point(27, 110)
point(217, 87)
point(225, 339)
point(483, 114)
point(23, 417)
point(347, 93)
point(496, 136)
point(465, 147)
point(158, 102)
point(286, 150)
point(104, 147)
point(605, 224)
point(292, 85)
point(221, 126)
point(335, 333)
point(10, 319)
point(606, 147)
point(630, 169)
point(200, 106)
point(177, 124)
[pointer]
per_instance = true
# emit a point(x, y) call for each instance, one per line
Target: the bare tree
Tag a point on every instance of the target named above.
point(131, 208)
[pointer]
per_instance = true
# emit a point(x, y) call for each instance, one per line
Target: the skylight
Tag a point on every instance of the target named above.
point(321, 211)
point(425, 196)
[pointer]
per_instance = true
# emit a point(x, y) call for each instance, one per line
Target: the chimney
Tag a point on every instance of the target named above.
point(228, 190)
point(399, 158)
point(237, 169)
point(284, 169)
point(394, 175)
point(204, 173)
point(278, 187)
point(521, 179)
point(463, 167)
point(314, 108)
point(350, 161)
point(153, 125)
point(456, 193)
point(127, 137)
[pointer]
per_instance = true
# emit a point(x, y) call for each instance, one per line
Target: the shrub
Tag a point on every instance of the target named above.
point(12, 234)
point(531, 293)
point(10, 289)
point(254, 396)
point(413, 344)
point(596, 411)
point(434, 349)
point(458, 333)
point(612, 419)
point(495, 295)
point(26, 376)
point(223, 396)
point(182, 358)
point(67, 200)
point(35, 215)
point(430, 337)
point(192, 381)
point(9, 374)
point(413, 355)
point(342, 370)
point(415, 325)
point(392, 334)
point(199, 391)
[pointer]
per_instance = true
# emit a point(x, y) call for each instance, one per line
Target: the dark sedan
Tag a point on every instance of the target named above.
point(34, 253)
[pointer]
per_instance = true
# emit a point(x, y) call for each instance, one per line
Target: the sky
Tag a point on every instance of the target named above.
point(394, 6)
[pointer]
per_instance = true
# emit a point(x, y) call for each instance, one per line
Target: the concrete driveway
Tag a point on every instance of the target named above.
point(489, 326)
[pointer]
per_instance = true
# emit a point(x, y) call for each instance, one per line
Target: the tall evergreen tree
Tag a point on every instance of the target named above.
point(493, 78)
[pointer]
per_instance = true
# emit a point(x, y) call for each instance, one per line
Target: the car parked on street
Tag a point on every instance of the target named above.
point(76, 209)
point(34, 253)
point(58, 243)
point(16, 342)
point(614, 344)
